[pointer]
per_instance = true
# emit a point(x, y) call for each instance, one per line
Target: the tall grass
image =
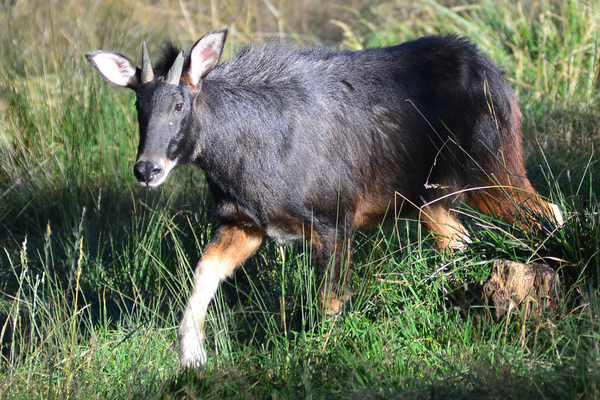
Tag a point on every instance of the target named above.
point(94, 271)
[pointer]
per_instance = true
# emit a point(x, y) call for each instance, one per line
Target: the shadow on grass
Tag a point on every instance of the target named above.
point(105, 250)
point(341, 377)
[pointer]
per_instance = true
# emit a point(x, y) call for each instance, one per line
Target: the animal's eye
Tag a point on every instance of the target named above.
point(178, 107)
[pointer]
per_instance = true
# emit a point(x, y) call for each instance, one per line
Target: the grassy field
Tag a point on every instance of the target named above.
point(95, 271)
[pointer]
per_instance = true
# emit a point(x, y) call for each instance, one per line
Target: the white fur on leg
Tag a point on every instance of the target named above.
point(191, 342)
point(191, 330)
point(231, 246)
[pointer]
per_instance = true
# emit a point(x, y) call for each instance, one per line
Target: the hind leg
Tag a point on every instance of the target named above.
point(516, 202)
point(439, 218)
point(332, 253)
point(505, 192)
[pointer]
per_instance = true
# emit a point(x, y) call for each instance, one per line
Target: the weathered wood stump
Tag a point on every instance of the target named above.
point(523, 287)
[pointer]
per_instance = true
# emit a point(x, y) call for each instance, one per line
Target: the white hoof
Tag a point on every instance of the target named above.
point(191, 350)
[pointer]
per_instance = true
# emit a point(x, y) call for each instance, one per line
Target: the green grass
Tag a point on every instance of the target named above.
point(95, 271)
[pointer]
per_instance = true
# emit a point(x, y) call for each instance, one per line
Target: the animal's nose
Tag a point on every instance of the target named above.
point(147, 171)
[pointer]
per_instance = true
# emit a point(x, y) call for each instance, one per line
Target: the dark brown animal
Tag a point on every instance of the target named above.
point(313, 144)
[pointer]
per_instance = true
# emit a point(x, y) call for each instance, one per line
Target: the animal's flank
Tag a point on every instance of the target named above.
point(313, 144)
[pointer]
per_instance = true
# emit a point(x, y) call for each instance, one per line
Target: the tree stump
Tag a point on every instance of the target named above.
point(518, 286)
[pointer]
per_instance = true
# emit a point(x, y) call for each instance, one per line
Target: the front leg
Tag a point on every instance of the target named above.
point(229, 248)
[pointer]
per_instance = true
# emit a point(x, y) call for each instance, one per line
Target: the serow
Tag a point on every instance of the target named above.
point(312, 144)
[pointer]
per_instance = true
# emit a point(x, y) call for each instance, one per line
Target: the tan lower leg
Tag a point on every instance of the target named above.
point(443, 222)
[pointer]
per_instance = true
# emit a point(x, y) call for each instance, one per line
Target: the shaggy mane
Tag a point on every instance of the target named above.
point(169, 53)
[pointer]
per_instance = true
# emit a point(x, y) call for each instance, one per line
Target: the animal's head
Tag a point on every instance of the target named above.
point(164, 102)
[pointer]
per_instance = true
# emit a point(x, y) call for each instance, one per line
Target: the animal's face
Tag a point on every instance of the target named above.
point(164, 103)
point(164, 112)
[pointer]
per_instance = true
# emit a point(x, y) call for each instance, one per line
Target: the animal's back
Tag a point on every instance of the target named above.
point(354, 128)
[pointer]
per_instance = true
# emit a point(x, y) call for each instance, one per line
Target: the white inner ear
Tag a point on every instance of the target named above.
point(205, 56)
point(201, 61)
point(115, 68)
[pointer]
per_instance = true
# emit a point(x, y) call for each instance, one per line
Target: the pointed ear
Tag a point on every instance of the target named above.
point(205, 55)
point(115, 68)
